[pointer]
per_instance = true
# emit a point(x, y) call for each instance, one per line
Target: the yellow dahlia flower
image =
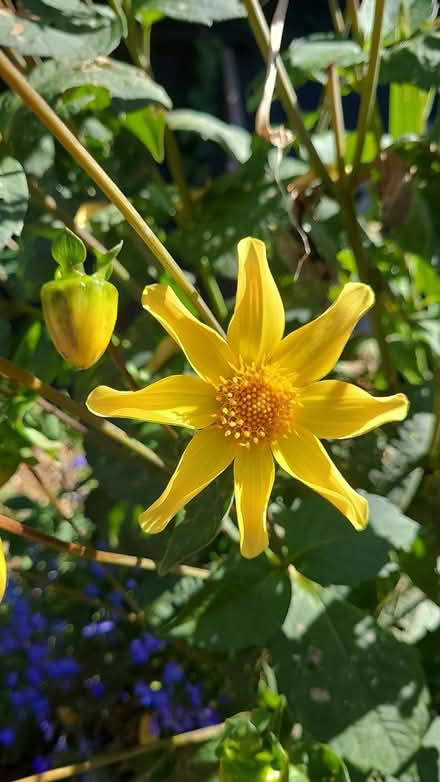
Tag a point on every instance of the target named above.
point(256, 398)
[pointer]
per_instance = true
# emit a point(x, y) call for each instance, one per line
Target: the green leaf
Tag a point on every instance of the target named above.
point(317, 52)
point(324, 547)
point(202, 522)
point(68, 250)
point(350, 683)
point(426, 762)
point(61, 30)
point(36, 353)
point(415, 62)
point(148, 125)
point(409, 108)
point(318, 762)
point(406, 17)
point(235, 141)
point(242, 604)
point(198, 11)
point(129, 87)
point(14, 196)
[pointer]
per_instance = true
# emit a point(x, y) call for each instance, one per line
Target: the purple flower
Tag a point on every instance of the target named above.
point(160, 699)
point(208, 716)
point(105, 627)
point(34, 676)
point(131, 583)
point(92, 590)
point(172, 673)
point(138, 652)
point(97, 569)
point(7, 737)
point(194, 694)
point(62, 668)
point(37, 653)
point(144, 694)
point(95, 687)
point(79, 461)
point(48, 729)
point(40, 764)
point(12, 679)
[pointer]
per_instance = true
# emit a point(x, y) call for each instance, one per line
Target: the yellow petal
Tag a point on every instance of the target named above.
point(335, 409)
point(257, 325)
point(302, 456)
point(206, 456)
point(3, 572)
point(311, 351)
point(254, 474)
point(207, 352)
point(183, 400)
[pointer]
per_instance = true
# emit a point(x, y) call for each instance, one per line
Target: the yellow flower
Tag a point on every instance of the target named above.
point(255, 399)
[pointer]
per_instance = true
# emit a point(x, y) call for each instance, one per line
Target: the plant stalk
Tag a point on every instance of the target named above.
point(94, 555)
point(286, 92)
point(52, 122)
point(368, 95)
point(99, 761)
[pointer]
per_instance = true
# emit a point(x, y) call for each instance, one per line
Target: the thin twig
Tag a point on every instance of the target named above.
point(97, 555)
point(174, 742)
point(286, 92)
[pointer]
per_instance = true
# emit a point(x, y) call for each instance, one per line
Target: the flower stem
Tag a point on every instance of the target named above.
point(337, 17)
point(352, 12)
point(286, 92)
point(99, 761)
point(25, 378)
point(95, 555)
point(41, 108)
point(368, 95)
point(175, 165)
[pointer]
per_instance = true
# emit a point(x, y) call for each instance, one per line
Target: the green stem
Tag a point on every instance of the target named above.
point(33, 383)
point(368, 95)
point(286, 92)
point(99, 761)
point(352, 12)
point(337, 17)
point(175, 164)
point(354, 235)
point(213, 289)
point(95, 555)
point(337, 119)
point(16, 81)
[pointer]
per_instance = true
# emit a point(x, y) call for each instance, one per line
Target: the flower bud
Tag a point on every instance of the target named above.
point(80, 314)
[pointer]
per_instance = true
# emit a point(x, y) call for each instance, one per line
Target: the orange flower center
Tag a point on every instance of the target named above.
point(255, 405)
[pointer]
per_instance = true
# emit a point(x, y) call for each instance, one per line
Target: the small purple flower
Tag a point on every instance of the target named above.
point(144, 694)
point(92, 590)
point(12, 679)
point(40, 764)
point(138, 652)
point(160, 699)
point(34, 676)
point(62, 668)
point(37, 653)
point(208, 716)
point(97, 569)
point(194, 694)
point(79, 461)
point(90, 630)
point(7, 737)
point(95, 687)
point(172, 673)
point(105, 627)
point(131, 583)
point(48, 729)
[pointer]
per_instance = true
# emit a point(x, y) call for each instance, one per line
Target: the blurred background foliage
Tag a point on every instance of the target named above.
point(343, 647)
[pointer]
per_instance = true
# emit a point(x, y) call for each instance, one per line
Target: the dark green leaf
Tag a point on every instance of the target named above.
point(316, 53)
point(416, 62)
point(318, 763)
point(61, 30)
point(235, 141)
point(129, 87)
point(202, 522)
point(199, 11)
point(349, 682)
point(148, 125)
point(324, 547)
point(242, 604)
point(14, 197)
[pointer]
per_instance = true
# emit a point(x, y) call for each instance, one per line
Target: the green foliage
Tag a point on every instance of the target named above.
point(342, 626)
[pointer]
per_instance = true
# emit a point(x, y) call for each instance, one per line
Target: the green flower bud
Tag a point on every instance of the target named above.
point(80, 314)
point(246, 755)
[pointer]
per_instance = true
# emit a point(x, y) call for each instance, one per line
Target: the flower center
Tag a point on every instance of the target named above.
point(255, 405)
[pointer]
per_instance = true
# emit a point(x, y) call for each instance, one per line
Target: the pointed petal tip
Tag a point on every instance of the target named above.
point(359, 515)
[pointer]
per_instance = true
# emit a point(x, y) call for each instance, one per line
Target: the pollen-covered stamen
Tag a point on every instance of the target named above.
point(255, 405)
